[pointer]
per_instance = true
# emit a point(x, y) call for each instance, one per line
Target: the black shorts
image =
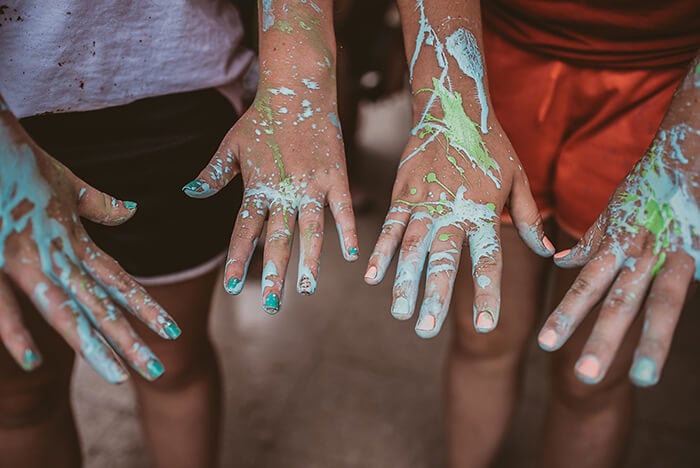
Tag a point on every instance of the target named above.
point(145, 152)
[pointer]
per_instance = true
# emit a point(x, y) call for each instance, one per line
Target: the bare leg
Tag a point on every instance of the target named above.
point(482, 369)
point(37, 428)
point(181, 411)
point(587, 425)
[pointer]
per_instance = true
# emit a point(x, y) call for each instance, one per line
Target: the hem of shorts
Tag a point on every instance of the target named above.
point(184, 275)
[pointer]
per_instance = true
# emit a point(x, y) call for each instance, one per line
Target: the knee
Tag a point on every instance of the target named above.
point(504, 344)
point(32, 400)
point(186, 366)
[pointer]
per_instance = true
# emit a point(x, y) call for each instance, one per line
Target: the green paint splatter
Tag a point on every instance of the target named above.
point(462, 133)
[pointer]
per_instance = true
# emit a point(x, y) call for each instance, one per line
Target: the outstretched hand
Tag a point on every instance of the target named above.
point(288, 148)
point(641, 255)
point(454, 179)
point(46, 254)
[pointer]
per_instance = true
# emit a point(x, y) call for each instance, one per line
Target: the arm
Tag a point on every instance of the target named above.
point(642, 253)
point(288, 148)
point(46, 254)
point(457, 173)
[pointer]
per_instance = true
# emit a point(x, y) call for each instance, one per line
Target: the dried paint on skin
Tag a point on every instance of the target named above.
point(268, 16)
point(462, 133)
point(24, 205)
point(463, 47)
point(475, 220)
point(660, 199)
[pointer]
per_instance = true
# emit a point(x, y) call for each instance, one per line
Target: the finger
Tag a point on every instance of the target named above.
point(585, 292)
point(389, 239)
point(101, 208)
point(617, 313)
point(487, 264)
point(662, 311)
point(222, 168)
point(585, 249)
point(13, 334)
point(440, 277)
point(310, 244)
point(67, 318)
point(340, 204)
point(244, 239)
point(105, 316)
point(280, 234)
point(127, 292)
point(527, 219)
point(414, 248)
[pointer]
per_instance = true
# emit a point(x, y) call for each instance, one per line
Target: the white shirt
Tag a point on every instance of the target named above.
point(77, 55)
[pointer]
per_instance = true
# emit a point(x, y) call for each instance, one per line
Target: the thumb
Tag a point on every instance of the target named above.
point(527, 219)
point(100, 207)
point(584, 250)
point(222, 168)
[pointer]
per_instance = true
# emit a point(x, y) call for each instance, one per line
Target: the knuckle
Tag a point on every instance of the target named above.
point(581, 287)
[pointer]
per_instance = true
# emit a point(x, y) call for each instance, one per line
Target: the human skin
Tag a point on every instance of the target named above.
point(288, 148)
point(46, 254)
point(457, 173)
point(643, 252)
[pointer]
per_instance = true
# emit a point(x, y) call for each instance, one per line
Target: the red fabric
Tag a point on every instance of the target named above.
point(577, 130)
point(620, 34)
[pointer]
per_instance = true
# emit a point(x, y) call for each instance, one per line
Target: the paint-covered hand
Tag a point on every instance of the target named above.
point(46, 254)
point(641, 254)
point(453, 182)
point(289, 150)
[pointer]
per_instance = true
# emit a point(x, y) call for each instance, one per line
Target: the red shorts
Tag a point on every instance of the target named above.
point(577, 130)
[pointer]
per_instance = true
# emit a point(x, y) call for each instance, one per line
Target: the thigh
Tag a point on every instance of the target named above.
point(28, 396)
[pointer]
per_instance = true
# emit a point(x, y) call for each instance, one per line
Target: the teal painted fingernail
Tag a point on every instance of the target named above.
point(129, 205)
point(232, 286)
point(272, 303)
point(172, 329)
point(155, 368)
point(353, 251)
point(30, 360)
point(197, 188)
point(643, 372)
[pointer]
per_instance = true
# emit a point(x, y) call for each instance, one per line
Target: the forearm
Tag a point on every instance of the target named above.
point(444, 46)
point(680, 127)
point(297, 43)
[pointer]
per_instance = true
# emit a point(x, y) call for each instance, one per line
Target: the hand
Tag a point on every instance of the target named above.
point(452, 185)
point(289, 150)
point(641, 254)
point(46, 253)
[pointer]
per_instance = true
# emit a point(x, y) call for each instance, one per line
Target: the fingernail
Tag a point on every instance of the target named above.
point(484, 322)
point(400, 309)
point(30, 360)
point(548, 244)
point(426, 323)
point(155, 368)
point(131, 206)
point(306, 286)
point(197, 188)
point(352, 251)
point(232, 286)
point(643, 372)
point(588, 369)
point(548, 339)
point(371, 272)
point(562, 254)
point(172, 329)
point(272, 303)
